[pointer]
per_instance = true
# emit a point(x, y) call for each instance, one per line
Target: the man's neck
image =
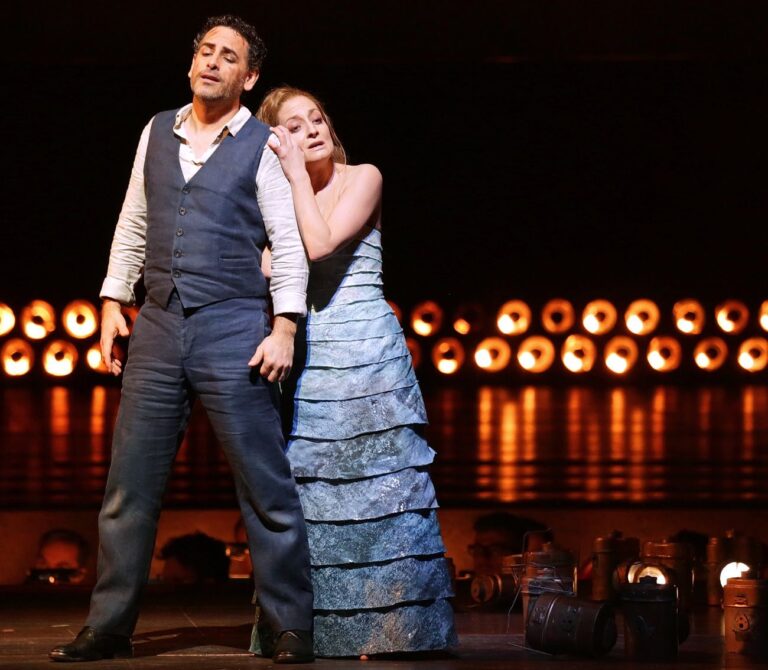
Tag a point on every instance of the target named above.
point(207, 116)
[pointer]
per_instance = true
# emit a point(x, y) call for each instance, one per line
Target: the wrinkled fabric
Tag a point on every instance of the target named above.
point(376, 540)
point(359, 457)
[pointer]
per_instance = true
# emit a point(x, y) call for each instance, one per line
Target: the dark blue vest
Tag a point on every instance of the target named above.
point(205, 236)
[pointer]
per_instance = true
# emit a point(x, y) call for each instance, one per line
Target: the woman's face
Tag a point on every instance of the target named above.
point(307, 127)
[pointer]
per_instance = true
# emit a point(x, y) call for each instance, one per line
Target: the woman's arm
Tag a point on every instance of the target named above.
point(358, 201)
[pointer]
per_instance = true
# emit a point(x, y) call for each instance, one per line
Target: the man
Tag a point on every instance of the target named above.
point(205, 195)
point(61, 558)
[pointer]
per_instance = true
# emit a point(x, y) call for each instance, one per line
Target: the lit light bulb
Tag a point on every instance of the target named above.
point(17, 357)
point(753, 354)
point(642, 317)
point(38, 319)
point(448, 355)
point(710, 353)
point(492, 354)
point(578, 353)
point(689, 316)
point(599, 317)
point(620, 354)
point(7, 319)
point(513, 318)
point(557, 316)
point(426, 318)
point(732, 316)
point(731, 570)
point(59, 358)
point(664, 354)
point(536, 354)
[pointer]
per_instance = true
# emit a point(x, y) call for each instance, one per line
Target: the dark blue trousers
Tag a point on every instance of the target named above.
point(174, 357)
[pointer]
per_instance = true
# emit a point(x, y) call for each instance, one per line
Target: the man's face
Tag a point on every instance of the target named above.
point(219, 71)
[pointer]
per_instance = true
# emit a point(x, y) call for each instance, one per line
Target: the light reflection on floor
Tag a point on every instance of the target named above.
point(577, 445)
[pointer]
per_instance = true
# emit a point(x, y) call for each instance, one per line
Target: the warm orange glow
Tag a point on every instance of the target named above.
point(640, 570)
point(7, 319)
point(642, 317)
point(735, 569)
point(492, 354)
point(578, 353)
point(557, 316)
point(664, 354)
point(38, 320)
point(80, 319)
point(448, 355)
point(753, 354)
point(620, 354)
point(764, 315)
point(468, 318)
point(599, 317)
point(689, 316)
point(732, 316)
point(513, 318)
point(415, 348)
point(59, 358)
point(94, 360)
point(426, 318)
point(536, 354)
point(17, 357)
point(398, 312)
point(131, 314)
point(710, 353)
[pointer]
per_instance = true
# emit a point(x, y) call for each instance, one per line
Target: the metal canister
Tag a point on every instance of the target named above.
point(551, 570)
point(650, 620)
point(734, 547)
point(678, 558)
point(608, 553)
point(717, 549)
point(560, 624)
point(499, 588)
point(746, 617)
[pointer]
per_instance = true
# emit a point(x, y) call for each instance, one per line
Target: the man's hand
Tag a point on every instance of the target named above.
point(112, 324)
point(274, 356)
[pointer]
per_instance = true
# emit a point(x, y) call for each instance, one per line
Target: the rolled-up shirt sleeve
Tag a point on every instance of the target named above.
point(290, 270)
point(126, 257)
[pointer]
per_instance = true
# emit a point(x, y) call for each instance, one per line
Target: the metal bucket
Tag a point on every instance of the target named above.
point(560, 624)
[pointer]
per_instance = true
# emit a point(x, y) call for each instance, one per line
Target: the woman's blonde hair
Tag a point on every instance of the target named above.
point(270, 108)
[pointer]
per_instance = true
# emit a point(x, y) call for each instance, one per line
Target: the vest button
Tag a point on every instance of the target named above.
point(182, 211)
point(179, 232)
point(176, 274)
point(177, 253)
point(186, 190)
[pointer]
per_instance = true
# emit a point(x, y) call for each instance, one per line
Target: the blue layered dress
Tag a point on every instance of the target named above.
point(360, 461)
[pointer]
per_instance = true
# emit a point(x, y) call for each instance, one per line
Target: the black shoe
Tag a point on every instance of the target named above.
point(294, 646)
point(92, 646)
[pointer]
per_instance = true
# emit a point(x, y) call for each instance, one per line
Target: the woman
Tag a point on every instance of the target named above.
point(355, 443)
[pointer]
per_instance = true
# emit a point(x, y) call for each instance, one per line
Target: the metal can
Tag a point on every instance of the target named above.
point(551, 570)
point(745, 617)
point(650, 620)
point(561, 624)
point(608, 553)
point(499, 588)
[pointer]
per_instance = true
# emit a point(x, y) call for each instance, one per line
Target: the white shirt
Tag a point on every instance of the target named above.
point(288, 285)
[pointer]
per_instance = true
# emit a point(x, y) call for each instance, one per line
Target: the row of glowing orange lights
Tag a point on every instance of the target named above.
point(598, 317)
point(579, 354)
point(37, 320)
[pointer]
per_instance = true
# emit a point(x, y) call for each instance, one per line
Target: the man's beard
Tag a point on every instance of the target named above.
point(217, 94)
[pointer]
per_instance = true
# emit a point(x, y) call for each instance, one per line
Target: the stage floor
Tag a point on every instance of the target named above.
point(209, 629)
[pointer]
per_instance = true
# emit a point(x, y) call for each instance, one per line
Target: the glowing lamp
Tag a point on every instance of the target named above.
point(448, 355)
point(80, 319)
point(536, 354)
point(514, 317)
point(16, 357)
point(396, 310)
point(664, 354)
point(732, 316)
point(764, 315)
point(620, 354)
point(689, 316)
point(557, 316)
point(94, 360)
point(426, 318)
point(578, 353)
point(492, 354)
point(38, 320)
point(642, 317)
point(753, 354)
point(598, 317)
point(468, 319)
point(59, 358)
point(710, 353)
point(7, 319)
point(415, 348)
point(733, 556)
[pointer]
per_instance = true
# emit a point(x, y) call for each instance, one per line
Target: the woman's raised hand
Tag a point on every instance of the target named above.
point(290, 154)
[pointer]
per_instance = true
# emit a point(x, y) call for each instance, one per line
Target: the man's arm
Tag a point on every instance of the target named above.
point(126, 259)
point(290, 271)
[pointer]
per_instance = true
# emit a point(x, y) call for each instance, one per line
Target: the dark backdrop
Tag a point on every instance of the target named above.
point(529, 149)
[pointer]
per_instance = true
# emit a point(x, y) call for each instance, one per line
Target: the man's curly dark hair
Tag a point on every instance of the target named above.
point(257, 51)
